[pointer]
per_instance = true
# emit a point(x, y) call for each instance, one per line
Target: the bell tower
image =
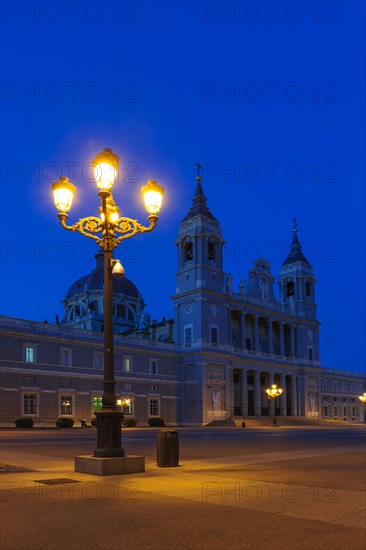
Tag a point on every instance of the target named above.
point(199, 246)
point(200, 280)
point(297, 281)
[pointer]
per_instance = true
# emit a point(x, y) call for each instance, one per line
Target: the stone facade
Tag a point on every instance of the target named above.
point(212, 362)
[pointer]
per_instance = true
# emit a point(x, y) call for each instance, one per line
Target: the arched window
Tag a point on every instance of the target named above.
point(308, 289)
point(211, 251)
point(79, 311)
point(93, 306)
point(290, 289)
point(188, 252)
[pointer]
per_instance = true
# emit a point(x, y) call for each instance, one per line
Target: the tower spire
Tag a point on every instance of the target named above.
point(199, 206)
point(295, 254)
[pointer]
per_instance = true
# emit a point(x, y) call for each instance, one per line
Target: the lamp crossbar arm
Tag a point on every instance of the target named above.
point(129, 228)
point(86, 226)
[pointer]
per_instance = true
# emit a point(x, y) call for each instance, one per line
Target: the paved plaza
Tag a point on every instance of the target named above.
point(254, 488)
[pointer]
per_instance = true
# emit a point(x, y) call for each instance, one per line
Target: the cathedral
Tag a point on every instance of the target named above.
point(211, 363)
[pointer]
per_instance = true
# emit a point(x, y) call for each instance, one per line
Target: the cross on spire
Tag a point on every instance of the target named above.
point(199, 168)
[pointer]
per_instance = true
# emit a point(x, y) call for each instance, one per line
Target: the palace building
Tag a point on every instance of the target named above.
point(212, 362)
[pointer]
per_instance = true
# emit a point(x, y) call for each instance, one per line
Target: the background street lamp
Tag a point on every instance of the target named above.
point(362, 398)
point(272, 393)
point(108, 230)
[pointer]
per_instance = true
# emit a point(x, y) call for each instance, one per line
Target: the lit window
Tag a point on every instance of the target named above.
point(188, 336)
point(97, 404)
point(126, 405)
point(154, 407)
point(30, 354)
point(66, 357)
point(153, 366)
point(127, 364)
point(97, 360)
point(30, 403)
point(66, 405)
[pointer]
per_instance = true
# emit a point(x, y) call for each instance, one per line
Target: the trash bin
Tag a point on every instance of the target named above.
point(243, 425)
point(167, 448)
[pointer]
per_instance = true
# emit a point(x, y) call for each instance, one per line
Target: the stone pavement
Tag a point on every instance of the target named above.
point(299, 500)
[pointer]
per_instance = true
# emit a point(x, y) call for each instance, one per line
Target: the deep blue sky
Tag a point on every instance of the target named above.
point(152, 80)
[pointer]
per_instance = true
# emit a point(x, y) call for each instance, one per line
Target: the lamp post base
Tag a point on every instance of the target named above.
point(109, 437)
point(109, 466)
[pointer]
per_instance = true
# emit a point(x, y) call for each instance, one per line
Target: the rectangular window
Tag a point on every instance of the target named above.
point(325, 384)
point(344, 411)
point(98, 360)
point(353, 411)
point(126, 387)
point(97, 404)
point(335, 412)
point(154, 388)
point(127, 364)
point(310, 354)
point(30, 403)
point(65, 357)
point(325, 411)
point(30, 354)
point(153, 366)
point(248, 343)
point(344, 386)
point(66, 405)
point(334, 386)
point(214, 335)
point(154, 407)
point(188, 335)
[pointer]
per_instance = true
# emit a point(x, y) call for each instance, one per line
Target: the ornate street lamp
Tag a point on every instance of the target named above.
point(108, 230)
point(272, 393)
point(362, 398)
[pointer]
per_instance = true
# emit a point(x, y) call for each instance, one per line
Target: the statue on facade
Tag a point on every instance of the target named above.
point(145, 320)
point(216, 400)
point(229, 283)
point(242, 286)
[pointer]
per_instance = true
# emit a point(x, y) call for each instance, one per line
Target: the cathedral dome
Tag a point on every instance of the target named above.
point(95, 281)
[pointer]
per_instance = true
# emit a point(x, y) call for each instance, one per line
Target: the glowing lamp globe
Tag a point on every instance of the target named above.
point(273, 391)
point(63, 192)
point(153, 196)
point(105, 169)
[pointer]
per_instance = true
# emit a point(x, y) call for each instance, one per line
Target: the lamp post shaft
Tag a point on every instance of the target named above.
point(109, 436)
point(109, 395)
